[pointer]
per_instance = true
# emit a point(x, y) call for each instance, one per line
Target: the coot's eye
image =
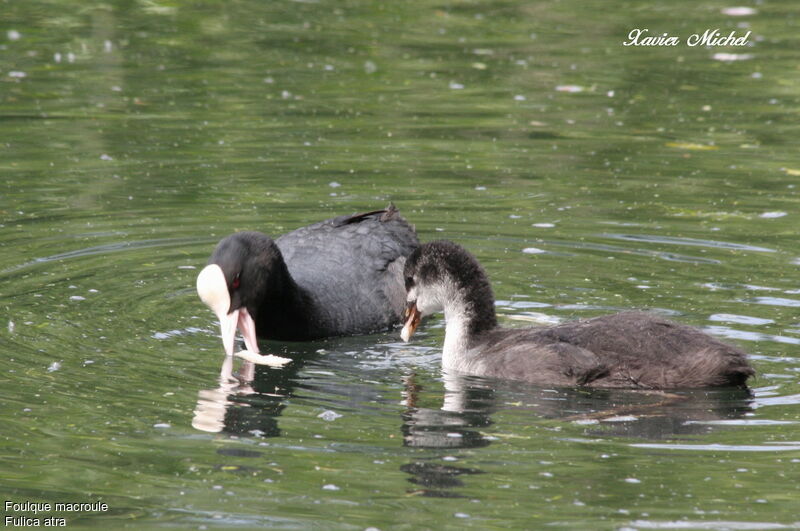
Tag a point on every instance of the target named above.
point(409, 282)
point(235, 283)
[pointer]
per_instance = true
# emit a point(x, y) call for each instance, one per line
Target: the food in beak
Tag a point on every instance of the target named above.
point(412, 317)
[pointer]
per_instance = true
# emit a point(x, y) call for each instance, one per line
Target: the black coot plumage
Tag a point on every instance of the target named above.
point(626, 350)
point(337, 277)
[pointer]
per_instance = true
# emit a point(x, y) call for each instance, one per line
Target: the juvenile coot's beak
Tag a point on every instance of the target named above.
point(412, 317)
point(213, 291)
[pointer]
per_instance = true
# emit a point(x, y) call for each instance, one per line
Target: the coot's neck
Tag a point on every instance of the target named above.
point(456, 336)
point(287, 310)
point(468, 312)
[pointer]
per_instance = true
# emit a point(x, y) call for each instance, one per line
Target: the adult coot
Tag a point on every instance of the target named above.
point(629, 349)
point(336, 277)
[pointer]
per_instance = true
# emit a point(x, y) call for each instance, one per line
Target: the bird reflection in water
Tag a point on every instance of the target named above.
point(247, 402)
point(456, 425)
point(659, 415)
point(435, 479)
point(469, 402)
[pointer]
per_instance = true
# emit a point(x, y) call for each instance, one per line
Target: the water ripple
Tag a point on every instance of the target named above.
point(740, 319)
point(742, 422)
point(709, 524)
point(670, 257)
point(788, 400)
point(108, 248)
point(722, 447)
point(669, 240)
point(732, 333)
point(774, 301)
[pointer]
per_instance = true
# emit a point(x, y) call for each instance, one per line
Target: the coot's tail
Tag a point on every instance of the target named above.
point(717, 365)
point(390, 212)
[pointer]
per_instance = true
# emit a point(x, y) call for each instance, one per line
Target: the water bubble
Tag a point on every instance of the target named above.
point(738, 11)
point(572, 89)
point(731, 57)
point(329, 415)
point(621, 418)
point(54, 366)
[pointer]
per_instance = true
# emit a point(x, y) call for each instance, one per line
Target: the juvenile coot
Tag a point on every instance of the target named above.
point(336, 277)
point(629, 349)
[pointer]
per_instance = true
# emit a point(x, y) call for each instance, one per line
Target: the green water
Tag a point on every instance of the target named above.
point(587, 177)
